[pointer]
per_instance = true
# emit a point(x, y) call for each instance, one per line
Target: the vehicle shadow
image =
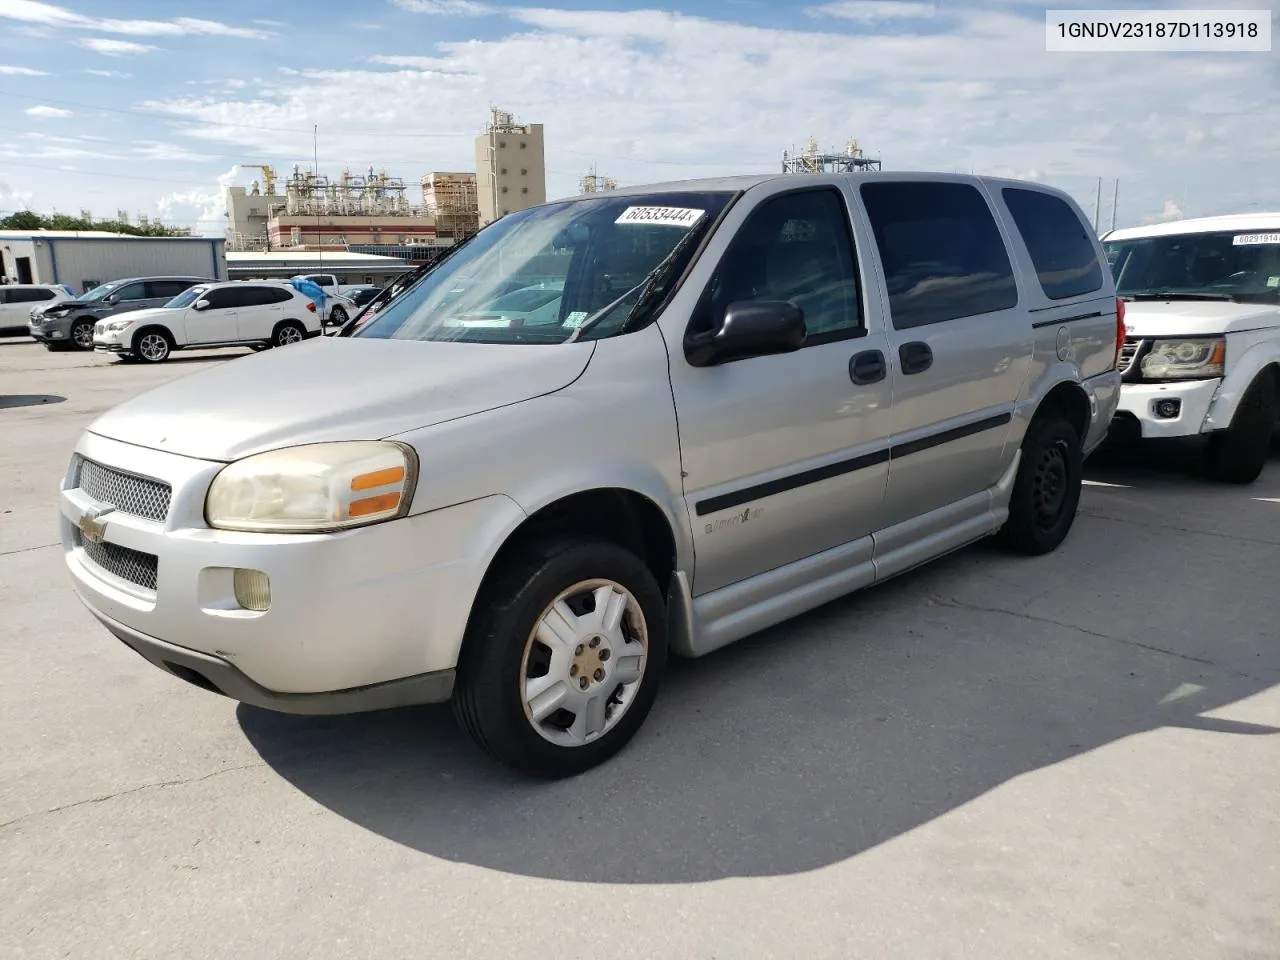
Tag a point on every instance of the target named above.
point(790, 751)
point(29, 399)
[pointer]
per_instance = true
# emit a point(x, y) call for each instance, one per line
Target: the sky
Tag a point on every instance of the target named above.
point(154, 106)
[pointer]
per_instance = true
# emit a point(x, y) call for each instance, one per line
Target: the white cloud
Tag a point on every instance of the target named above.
point(47, 15)
point(11, 199)
point(115, 48)
point(1171, 211)
point(21, 72)
point(44, 112)
point(873, 11)
point(203, 208)
point(118, 74)
point(444, 7)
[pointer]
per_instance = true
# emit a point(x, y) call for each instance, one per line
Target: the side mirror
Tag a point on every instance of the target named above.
point(200, 305)
point(111, 298)
point(751, 328)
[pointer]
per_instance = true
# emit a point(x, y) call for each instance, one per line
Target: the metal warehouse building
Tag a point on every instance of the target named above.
point(82, 260)
point(348, 267)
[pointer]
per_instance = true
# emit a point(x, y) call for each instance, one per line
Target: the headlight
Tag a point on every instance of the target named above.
point(1185, 359)
point(314, 488)
point(115, 326)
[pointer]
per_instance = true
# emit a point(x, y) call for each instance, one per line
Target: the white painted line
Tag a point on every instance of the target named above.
point(1259, 499)
point(1099, 483)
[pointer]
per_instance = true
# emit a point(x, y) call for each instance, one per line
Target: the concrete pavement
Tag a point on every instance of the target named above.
point(1074, 756)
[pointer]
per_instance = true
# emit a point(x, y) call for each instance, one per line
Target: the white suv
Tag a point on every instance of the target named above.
point(1202, 357)
point(18, 300)
point(228, 314)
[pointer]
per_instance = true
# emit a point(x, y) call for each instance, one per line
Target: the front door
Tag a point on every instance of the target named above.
point(784, 456)
point(217, 322)
point(958, 343)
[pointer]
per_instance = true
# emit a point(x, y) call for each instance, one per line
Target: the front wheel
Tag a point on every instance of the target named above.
point(1239, 453)
point(82, 334)
point(1046, 492)
point(563, 657)
point(152, 346)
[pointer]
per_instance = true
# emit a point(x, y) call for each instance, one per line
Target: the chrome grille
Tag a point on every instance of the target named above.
point(130, 494)
point(123, 562)
point(1127, 352)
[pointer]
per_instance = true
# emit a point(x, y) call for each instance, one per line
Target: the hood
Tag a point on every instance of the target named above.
point(1186, 318)
point(336, 388)
point(70, 304)
point(147, 313)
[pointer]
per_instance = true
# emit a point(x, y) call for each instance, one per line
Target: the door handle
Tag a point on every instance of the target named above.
point(867, 367)
point(916, 357)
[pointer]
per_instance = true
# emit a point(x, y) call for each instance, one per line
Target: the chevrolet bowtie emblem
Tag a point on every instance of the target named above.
point(93, 524)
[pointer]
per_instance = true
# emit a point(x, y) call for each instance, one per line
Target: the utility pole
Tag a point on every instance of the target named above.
point(1097, 206)
point(1115, 199)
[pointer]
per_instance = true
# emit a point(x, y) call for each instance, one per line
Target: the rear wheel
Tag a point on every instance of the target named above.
point(152, 345)
point(1046, 493)
point(288, 333)
point(82, 334)
point(337, 316)
point(563, 657)
point(1239, 453)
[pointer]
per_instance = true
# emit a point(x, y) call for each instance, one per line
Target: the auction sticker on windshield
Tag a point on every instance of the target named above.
point(663, 216)
point(1248, 239)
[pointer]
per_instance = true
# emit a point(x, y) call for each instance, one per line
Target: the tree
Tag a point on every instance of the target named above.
point(30, 220)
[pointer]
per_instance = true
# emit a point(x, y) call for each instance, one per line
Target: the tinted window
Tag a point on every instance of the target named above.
point(259, 296)
point(166, 289)
point(941, 250)
point(1061, 247)
point(131, 291)
point(29, 296)
point(795, 247)
point(222, 298)
point(186, 298)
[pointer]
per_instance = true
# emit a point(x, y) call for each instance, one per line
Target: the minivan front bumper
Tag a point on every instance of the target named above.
point(356, 620)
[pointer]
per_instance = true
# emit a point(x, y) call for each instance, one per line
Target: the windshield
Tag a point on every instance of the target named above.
point(1229, 265)
point(97, 293)
point(538, 275)
point(186, 298)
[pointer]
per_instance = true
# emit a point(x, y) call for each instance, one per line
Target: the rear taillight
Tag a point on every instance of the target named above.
point(311, 305)
point(1121, 332)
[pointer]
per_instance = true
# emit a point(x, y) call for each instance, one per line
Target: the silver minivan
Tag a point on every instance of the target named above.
point(736, 400)
point(69, 323)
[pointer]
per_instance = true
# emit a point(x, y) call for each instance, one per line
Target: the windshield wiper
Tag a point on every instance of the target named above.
point(647, 286)
point(1147, 295)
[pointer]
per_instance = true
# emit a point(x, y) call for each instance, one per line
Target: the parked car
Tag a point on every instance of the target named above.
point(757, 394)
point(17, 300)
point(360, 295)
point(69, 323)
point(1202, 357)
point(227, 314)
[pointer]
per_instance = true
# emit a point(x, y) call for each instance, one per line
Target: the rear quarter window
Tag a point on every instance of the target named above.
point(941, 250)
point(1060, 245)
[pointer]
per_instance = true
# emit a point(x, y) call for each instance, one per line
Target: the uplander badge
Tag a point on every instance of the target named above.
point(736, 520)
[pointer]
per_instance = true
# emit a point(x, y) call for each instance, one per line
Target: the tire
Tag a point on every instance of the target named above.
point(504, 656)
point(1046, 492)
point(1239, 453)
point(81, 335)
point(152, 345)
point(337, 317)
point(287, 333)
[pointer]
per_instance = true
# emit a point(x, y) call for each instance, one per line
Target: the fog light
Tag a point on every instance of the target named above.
point(252, 589)
point(1168, 409)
